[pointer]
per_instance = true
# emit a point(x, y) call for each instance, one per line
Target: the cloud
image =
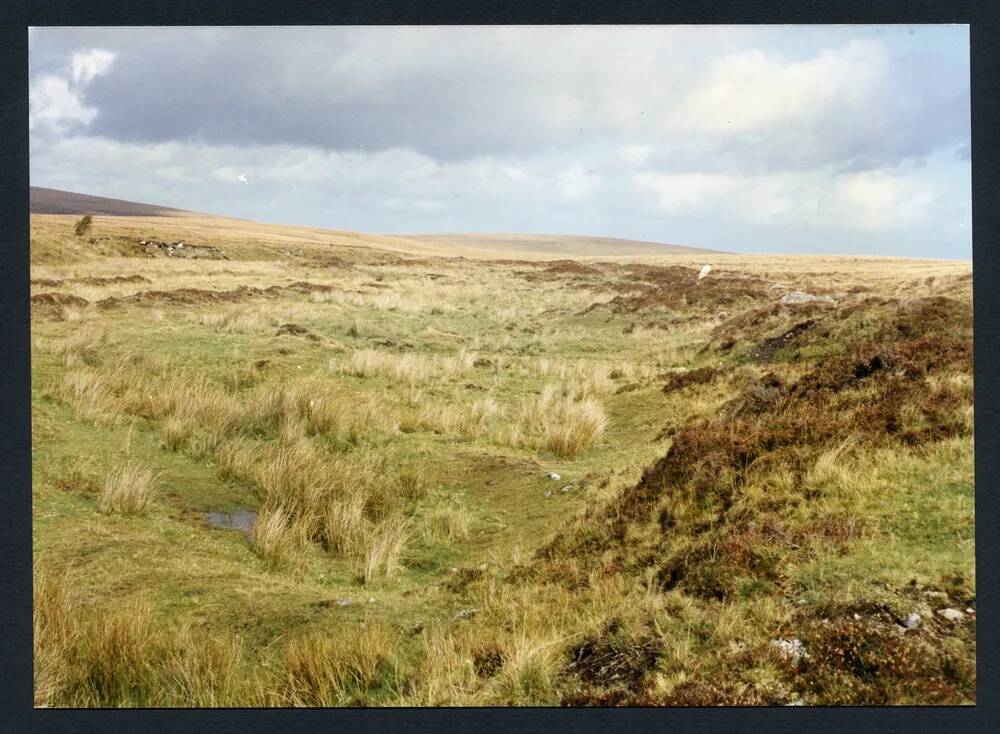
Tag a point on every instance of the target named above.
point(86, 65)
point(874, 201)
point(56, 100)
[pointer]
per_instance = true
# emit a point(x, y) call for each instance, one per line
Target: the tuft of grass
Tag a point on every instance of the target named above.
point(349, 667)
point(127, 490)
point(447, 524)
point(274, 539)
point(575, 428)
point(383, 548)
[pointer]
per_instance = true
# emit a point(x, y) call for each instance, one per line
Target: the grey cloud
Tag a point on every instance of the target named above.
point(467, 93)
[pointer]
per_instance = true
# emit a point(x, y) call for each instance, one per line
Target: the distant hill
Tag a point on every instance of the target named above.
point(556, 245)
point(183, 223)
point(54, 201)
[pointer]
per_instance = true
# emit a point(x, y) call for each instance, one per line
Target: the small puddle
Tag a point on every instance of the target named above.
point(239, 519)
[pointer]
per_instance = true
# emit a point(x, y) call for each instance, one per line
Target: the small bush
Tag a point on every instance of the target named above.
point(83, 225)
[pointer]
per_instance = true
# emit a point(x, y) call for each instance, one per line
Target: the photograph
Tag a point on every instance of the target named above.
point(501, 366)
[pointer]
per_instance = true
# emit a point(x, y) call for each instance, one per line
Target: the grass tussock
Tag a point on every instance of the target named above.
point(121, 657)
point(557, 423)
point(274, 538)
point(355, 666)
point(447, 524)
point(128, 490)
point(407, 368)
point(382, 550)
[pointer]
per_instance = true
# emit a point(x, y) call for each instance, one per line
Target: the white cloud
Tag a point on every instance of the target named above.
point(753, 91)
point(635, 155)
point(88, 64)
point(55, 101)
point(869, 201)
point(576, 182)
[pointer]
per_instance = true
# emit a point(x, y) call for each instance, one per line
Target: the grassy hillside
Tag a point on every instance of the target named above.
point(757, 502)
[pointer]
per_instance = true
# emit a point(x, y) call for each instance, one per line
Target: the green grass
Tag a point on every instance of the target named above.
point(543, 571)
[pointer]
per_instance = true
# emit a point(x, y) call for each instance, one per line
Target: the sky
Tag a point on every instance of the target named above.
point(810, 139)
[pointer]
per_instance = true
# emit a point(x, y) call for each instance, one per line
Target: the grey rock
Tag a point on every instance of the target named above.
point(553, 476)
point(467, 613)
point(800, 297)
point(567, 488)
point(952, 615)
point(792, 648)
point(912, 621)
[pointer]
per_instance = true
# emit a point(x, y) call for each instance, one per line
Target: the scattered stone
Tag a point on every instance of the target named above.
point(467, 613)
point(548, 492)
point(952, 615)
point(796, 702)
point(555, 477)
point(912, 621)
point(344, 602)
point(800, 297)
point(791, 648)
point(181, 249)
point(970, 610)
point(857, 616)
point(371, 599)
point(705, 270)
point(935, 594)
point(567, 488)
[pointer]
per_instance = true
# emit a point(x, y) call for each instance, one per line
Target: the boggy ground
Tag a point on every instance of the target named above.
point(757, 503)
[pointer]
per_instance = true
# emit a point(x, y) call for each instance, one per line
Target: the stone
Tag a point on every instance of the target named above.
point(343, 602)
point(705, 270)
point(792, 648)
point(952, 615)
point(800, 297)
point(548, 492)
point(567, 488)
point(467, 613)
point(553, 476)
point(912, 621)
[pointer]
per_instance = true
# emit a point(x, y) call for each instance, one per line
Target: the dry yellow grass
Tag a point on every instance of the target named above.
point(382, 549)
point(274, 538)
point(127, 490)
point(339, 669)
